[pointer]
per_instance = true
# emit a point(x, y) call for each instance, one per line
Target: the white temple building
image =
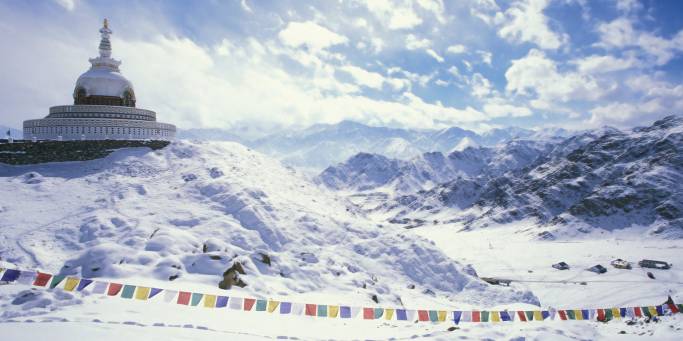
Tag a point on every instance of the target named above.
point(104, 107)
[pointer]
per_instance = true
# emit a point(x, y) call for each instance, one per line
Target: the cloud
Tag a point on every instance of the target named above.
point(69, 5)
point(363, 77)
point(481, 86)
point(311, 35)
point(435, 55)
point(415, 43)
point(538, 76)
point(596, 64)
point(525, 22)
point(486, 57)
point(456, 49)
point(497, 107)
point(620, 33)
point(394, 15)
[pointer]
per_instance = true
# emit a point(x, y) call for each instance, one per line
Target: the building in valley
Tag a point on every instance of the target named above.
point(103, 109)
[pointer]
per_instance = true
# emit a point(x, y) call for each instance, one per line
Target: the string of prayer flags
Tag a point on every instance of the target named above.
point(143, 293)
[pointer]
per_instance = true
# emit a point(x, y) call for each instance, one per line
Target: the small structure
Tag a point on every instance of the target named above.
point(561, 266)
point(654, 264)
point(496, 281)
point(621, 264)
point(598, 269)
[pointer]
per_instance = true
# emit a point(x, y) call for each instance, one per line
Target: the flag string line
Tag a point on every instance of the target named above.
point(188, 298)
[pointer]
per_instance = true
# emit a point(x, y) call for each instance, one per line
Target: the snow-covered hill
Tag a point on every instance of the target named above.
point(188, 212)
point(605, 179)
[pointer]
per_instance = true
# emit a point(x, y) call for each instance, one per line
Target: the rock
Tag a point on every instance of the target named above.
point(231, 277)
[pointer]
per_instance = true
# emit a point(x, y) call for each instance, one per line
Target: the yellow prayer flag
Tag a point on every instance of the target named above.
point(142, 293)
point(388, 314)
point(332, 310)
point(210, 301)
point(578, 314)
point(442, 315)
point(71, 283)
point(653, 311)
point(272, 305)
point(616, 313)
point(537, 315)
point(495, 316)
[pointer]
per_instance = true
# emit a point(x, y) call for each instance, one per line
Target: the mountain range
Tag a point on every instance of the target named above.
point(605, 178)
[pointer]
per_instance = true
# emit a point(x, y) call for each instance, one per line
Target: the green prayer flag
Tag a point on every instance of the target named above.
point(128, 291)
point(261, 305)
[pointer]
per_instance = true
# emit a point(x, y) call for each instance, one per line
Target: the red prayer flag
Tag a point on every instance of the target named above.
point(423, 315)
point(563, 315)
point(248, 303)
point(521, 315)
point(310, 309)
point(637, 312)
point(42, 279)
point(673, 308)
point(476, 316)
point(184, 297)
point(368, 313)
point(114, 289)
point(601, 314)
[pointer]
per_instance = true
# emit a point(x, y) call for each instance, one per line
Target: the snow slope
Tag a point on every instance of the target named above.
point(188, 212)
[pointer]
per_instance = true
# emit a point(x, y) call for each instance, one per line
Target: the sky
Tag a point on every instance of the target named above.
point(419, 64)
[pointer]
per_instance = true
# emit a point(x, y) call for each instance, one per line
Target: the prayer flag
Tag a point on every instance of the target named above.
point(545, 314)
point(322, 310)
point(378, 313)
point(537, 315)
point(100, 287)
point(345, 312)
point(433, 316)
point(368, 313)
point(236, 303)
point(411, 314)
point(113, 290)
point(169, 296)
point(249, 303)
point(505, 316)
point(585, 314)
point(42, 279)
point(261, 305)
point(355, 311)
point(601, 315)
point(26, 277)
point(56, 280)
point(652, 310)
point(184, 297)
point(221, 301)
point(333, 311)
point(209, 301)
point(196, 298)
point(70, 284)
point(389, 314)
point(476, 316)
point(272, 305)
point(285, 307)
point(637, 312)
point(128, 291)
point(521, 315)
point(83, 284)
point(622, 312)
point(529, 315)
point(297, 308)
point(456, 316)
point(660, 310)
point(442, 315)
point(311, 309)
point(422, 315)
point(10, 275)
point(154, 291)
point(466, 316)
point(142, 293)
point(495, 317)
point(563, 315)
point(484, 316)
point(401, 315)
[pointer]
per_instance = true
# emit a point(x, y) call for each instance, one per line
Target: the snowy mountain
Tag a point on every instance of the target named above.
point(321, 145)
point(605, 179)
point(367, 172)
point(190, 211)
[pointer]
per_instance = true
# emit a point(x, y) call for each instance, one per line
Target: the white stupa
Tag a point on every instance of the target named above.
point(104, 107)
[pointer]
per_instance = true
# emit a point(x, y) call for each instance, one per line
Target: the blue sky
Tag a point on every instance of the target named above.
point(418, 64)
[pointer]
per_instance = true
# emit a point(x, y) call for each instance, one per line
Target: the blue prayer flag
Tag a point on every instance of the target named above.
point(221, 301)
point(345, 312)
point(285, 307)
point(458, 314)
point(10, 275)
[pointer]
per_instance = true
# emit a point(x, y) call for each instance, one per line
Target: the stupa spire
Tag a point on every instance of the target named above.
point(105, 44)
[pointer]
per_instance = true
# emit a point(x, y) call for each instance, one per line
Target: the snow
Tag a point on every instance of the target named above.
point(193, 209)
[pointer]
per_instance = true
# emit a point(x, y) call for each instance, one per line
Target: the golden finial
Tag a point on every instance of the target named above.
point(106, 23)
